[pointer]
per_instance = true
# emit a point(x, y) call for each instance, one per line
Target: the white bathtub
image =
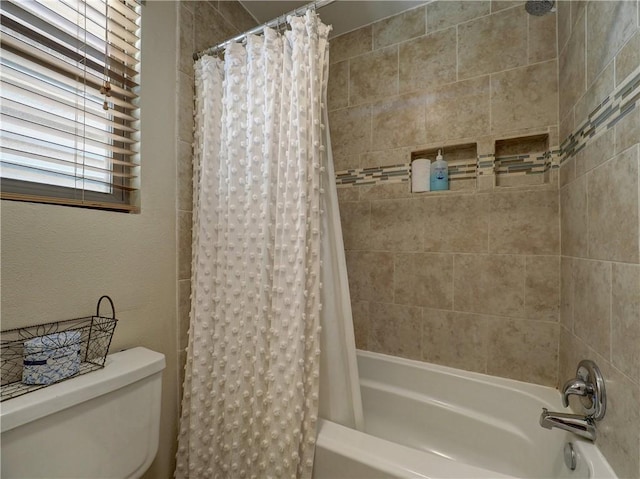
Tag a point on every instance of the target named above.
point(424, 420)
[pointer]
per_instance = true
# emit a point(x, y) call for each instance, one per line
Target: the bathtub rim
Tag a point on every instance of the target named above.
point(376, 451)
point(548, 393)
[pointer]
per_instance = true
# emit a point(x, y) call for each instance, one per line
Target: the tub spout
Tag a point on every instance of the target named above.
point(583, 426)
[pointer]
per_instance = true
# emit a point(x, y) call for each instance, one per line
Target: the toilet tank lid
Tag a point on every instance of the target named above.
point(121, 369)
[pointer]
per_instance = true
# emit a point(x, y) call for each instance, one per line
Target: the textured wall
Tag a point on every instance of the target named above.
point(599, 45)
point(468, 279)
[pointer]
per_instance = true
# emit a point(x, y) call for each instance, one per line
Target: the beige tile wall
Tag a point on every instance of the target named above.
point(467, 279)
point(202, 24)
point(600, 247)
point(444, 72)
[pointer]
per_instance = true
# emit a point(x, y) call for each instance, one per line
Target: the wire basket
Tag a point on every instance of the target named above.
point(89, 338)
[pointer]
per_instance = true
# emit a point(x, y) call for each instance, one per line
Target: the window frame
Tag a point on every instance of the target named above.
point(123, 169)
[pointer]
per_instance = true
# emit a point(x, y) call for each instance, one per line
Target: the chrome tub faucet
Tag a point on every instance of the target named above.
point(583, 426)
point(589, 386)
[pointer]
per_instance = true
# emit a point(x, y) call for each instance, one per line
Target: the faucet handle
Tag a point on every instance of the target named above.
point(575, 387)
point(589, 385)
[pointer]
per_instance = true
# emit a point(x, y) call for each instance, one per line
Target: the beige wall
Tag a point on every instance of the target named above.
point(468, 279)
point(600, 315)
point(57, 261)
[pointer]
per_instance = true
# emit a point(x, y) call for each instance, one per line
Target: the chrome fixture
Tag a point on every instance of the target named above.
point(589, 386)
point(583, 426)
point(570, 459)
point(539, 7)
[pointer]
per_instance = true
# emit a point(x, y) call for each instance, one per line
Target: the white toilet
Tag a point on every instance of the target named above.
point(104, 424)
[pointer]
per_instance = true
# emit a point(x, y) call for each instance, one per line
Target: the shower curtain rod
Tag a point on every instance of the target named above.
point(260, 28)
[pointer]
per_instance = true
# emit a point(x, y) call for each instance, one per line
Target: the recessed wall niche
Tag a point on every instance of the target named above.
point(462, 161)
point(522, 161)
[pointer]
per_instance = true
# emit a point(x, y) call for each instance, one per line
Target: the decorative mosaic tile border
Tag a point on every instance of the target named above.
point(531, 164)
point(486, 164)
point(613, 108)
point(462, 169)
point(458, 170)
point(372, 176)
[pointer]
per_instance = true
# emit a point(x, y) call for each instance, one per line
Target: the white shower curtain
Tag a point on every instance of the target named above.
point(252, 378)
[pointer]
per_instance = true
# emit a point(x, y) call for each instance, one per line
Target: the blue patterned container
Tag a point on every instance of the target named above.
point(52, 358)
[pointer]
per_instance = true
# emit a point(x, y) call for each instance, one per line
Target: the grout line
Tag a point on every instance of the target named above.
point(528, 38)
point(557, 365)
point(457, 55)
point(422, 333)
point(524, 287)
point(372, 46)
point(489, 108)
point(398, 69)
point(560, 139)
point(611, 313)
point(586, 189)
point(370, 143)
point(584, 52)
point(464, 312)
point(573, 294)
point(467, 253)
point(486, 345)
point(393, 283)
point(426, 21)
point(348, 82)
point(489, 222)
point(453, 282)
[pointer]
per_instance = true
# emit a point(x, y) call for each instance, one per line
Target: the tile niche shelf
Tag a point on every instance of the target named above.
point(522, 161)
point(461, 160)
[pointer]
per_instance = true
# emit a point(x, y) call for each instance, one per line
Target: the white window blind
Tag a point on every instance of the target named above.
point(69, 86)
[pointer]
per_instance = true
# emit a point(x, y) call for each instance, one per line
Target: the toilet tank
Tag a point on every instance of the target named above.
point(104, 424)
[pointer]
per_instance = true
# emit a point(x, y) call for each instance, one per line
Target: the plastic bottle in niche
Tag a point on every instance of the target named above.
point(439, 174)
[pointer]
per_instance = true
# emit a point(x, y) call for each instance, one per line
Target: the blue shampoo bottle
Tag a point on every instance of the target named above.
point(439, 174)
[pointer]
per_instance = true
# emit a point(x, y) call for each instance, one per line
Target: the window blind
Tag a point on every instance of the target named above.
point(69, 89)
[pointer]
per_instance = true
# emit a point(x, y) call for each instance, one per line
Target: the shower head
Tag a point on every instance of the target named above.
point(539, 7)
